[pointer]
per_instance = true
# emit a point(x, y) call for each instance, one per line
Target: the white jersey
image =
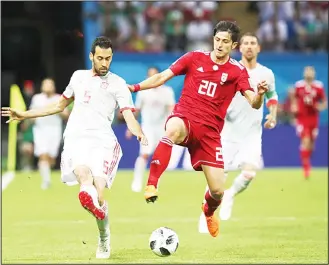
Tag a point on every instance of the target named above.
point(52, 122)
point(241, 119)
point(153, 104)
point(95, 101)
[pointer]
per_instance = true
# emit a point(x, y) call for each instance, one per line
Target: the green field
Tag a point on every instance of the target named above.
point(282, 218)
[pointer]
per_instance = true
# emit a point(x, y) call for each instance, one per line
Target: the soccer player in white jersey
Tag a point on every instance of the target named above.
point(154, 107)
point(91, 151)
point(47, 131)
point(242, 132)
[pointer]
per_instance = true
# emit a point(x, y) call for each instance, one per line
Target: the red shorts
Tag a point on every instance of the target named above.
point(307, 130)
point(203, 143)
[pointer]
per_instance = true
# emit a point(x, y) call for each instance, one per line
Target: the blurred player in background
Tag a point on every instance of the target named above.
point(242, 132)
point(26, 131)
point(211, 81)
point(308, 100)
point(154, 107)
point(47, 131)
point(91, 151)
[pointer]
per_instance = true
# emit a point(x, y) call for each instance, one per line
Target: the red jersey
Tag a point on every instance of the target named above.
point(208, 87)
point(307, 97)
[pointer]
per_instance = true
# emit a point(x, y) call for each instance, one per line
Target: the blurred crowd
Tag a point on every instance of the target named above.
point(181, 26)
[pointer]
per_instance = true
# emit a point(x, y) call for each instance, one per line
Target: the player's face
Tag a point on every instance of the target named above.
point(48, 86)
point(249, 47)
point(309, 73)
point(223, 44)
point(151, 72)
point(101, 60)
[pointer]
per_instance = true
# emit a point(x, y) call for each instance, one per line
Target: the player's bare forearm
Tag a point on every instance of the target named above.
point(153, 81)
point(49, 110)
point(132, 123)
point(257, 101)
point(273, 109)
point(322, 105)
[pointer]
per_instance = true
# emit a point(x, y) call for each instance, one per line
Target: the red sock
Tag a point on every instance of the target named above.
point(211, 204)
point(305, 157)
point(160, 160)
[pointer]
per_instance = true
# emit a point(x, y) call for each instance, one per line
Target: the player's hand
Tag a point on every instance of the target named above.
point(142, 138)
point(128, 134)
point(14, 115)
point(131, 88)
point(262, 87)
point(270, 122)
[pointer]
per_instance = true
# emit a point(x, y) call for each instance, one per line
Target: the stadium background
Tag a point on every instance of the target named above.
point(53, 39)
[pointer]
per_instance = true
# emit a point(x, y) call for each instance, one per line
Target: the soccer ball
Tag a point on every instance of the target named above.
point(163, 241)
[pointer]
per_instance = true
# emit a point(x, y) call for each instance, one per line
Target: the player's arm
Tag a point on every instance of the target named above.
point(35, 113)
point(323, 102)
point(271, 98)
point(177, 68)
point(125, 102)
point(255, 99)
point(133, 125)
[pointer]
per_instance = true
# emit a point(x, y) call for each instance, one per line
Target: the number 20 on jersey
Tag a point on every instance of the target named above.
point(207, 88)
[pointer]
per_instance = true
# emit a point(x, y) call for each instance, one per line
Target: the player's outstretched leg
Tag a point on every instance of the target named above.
point(103, 249)
point(139, 169)
point(213, 197)
point(175, 133)
point(88, 195)
point(44, 169)
point(240, 183)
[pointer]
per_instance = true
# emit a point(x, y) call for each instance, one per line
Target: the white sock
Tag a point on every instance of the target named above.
point(44, 169)
point(91, 190)
point(140, 166)
point(242, 181)
point(103, 225)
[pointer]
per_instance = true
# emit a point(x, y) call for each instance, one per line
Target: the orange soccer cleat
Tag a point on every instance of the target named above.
point(150, 194)
point(212, 223)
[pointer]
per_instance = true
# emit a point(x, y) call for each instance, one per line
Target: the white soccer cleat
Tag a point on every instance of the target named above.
point(203, 228)
point(226, 206)
point(103, 250)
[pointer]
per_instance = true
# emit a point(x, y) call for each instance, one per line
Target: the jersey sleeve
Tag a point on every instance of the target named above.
point(180, 66)
point(322, 94)
point(69, 92)
point(243, 83)
point(123, 97)
point(271, 96)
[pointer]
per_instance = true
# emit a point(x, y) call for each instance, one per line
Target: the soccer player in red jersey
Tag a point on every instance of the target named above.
point(211, 81)
point(307, 101)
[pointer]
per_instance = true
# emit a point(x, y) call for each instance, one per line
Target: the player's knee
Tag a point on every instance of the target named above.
point(83, 175)
point(175, 130)
point(217, 191)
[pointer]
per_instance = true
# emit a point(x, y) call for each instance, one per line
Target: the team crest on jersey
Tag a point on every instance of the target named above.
point(223, 78)
point(104, 84)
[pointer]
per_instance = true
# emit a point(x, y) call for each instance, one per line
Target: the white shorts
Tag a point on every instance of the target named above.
point(153, 136)
point(102, 161)
point(236, 155)
point(46, 141)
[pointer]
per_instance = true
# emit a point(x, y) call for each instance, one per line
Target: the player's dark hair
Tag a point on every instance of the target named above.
point(231, 27)
point(249, 34)
point(102, 42)
point(154, 67)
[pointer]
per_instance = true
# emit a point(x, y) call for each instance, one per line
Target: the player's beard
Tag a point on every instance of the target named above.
point(100, 71)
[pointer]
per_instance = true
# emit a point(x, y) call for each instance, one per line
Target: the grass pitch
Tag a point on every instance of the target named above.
point(281, 218)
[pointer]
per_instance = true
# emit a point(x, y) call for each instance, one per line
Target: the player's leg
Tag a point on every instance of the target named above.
point(26, 155)
point(88, 194)
point(213, 197)
point(305, 148)
point(103, 250)
point(107, 176)
point(249, 160)
point(45, 170)
point(176, 131)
